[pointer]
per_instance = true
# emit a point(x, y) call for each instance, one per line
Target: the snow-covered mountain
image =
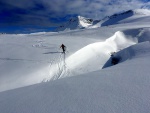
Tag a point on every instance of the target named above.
point(80, 22)
point(126, 17)
point(77, 22)
point(105, 69)
point(30, 59)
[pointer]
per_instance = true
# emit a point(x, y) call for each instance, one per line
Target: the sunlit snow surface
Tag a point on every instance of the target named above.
point(87, 80)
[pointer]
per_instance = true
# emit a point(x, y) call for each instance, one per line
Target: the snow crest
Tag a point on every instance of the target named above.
point(90, 58)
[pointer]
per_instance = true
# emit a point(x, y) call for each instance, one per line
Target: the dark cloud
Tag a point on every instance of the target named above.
point(51, 12)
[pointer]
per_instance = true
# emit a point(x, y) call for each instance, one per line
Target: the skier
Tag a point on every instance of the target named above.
point(63, 48)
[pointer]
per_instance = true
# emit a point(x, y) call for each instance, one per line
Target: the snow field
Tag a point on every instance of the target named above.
point(33, 59)
point(120, 88)
point(92, 57)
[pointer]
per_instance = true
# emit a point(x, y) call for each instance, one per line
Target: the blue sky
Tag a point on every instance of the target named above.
point(50, 13)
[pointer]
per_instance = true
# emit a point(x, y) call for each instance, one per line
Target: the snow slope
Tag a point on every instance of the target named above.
point(33, 58)
point(89, 81)
point(123, 88)
point(97, 53)
point(131, 16)
point(26, 59)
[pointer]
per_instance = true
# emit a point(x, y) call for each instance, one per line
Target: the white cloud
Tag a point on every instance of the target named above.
point(46, 9)
point(91, 8)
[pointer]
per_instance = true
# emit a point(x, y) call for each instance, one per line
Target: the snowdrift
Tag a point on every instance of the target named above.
point(33, 58)
point(121, 88)
point(97, 55)
point(130, 53)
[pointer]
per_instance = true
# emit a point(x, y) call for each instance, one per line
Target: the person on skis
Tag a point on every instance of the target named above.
point(63, 48)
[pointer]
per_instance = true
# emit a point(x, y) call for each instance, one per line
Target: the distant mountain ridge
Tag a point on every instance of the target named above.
point(80, 22)
point(118, 18)
point(77, 22)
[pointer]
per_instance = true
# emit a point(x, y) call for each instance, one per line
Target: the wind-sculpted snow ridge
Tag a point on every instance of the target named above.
point(122, 88)
point(129, 53)
point(137, 50)
point(90, 58)
point(95, 56)
point(33, 58)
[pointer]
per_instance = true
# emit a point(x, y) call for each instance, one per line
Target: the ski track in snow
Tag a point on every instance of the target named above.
point(34, 58)
point(97, 52)
point(100, 87)
point(78, 62)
